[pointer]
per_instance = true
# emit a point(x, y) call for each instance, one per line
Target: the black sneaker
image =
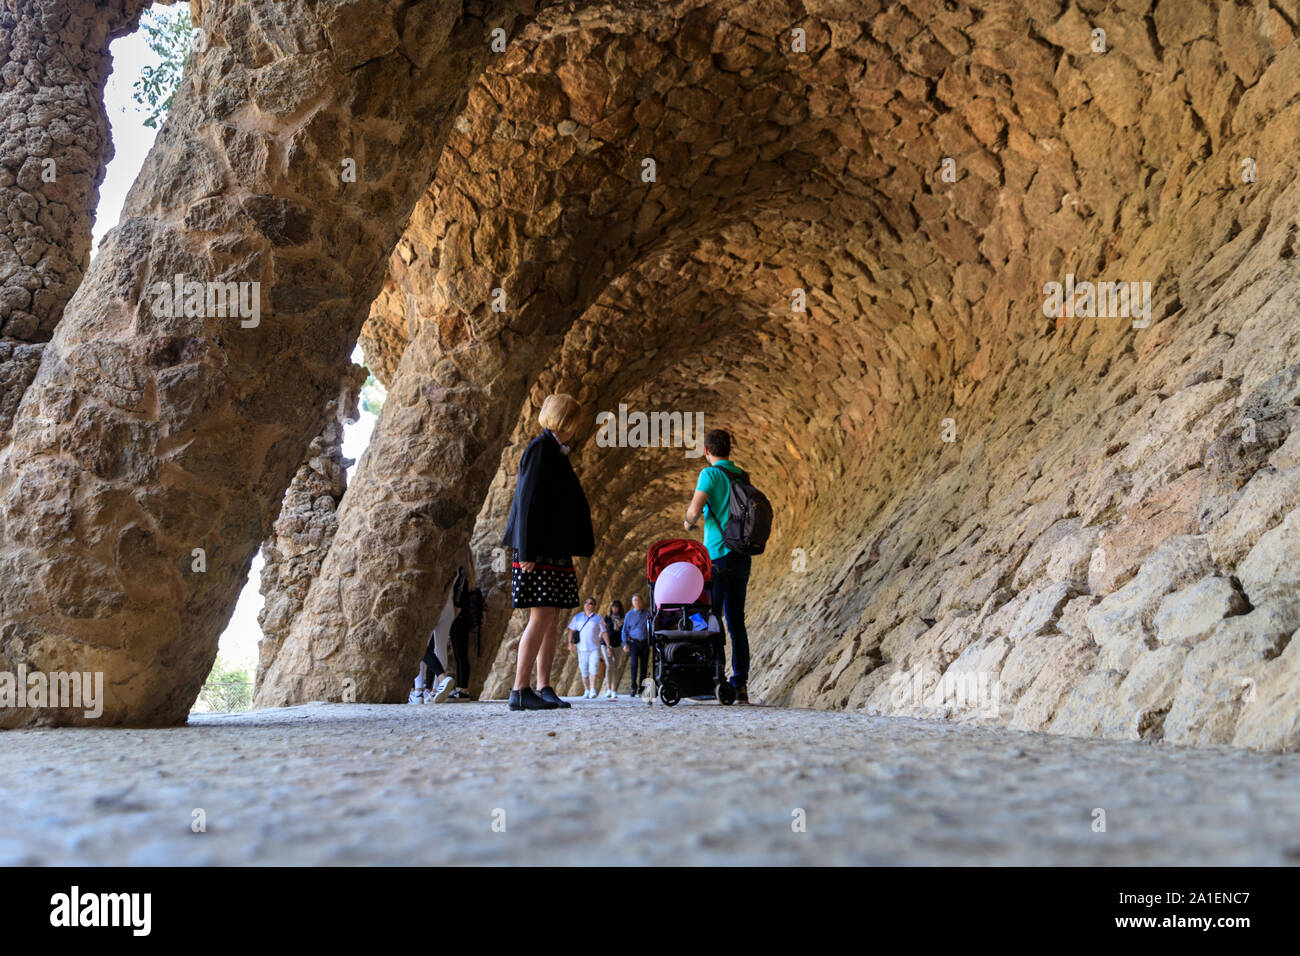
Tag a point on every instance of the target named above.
point(742, 694)
point(526, 700)
point(549, 695)
point(460, 695)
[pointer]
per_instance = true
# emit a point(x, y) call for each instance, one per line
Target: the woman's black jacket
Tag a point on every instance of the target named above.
point(550, 516)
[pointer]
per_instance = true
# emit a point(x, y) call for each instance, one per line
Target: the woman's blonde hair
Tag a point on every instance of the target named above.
point(560, 413)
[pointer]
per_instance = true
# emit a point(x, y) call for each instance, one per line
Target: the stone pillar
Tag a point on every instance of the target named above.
point(147, 438)
point(53, 148)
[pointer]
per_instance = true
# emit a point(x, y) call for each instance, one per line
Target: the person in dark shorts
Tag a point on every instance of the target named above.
point(614, 628)
point(549, 524)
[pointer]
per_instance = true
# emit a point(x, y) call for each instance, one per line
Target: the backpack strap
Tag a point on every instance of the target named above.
point(731, 481)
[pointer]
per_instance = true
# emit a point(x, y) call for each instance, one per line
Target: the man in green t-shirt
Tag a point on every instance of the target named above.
point(712, 499)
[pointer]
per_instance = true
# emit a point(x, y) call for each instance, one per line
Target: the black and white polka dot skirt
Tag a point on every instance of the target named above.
point(552, 583)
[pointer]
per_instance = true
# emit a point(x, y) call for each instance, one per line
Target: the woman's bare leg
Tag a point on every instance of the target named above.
point(540, 620)
point(546, 652)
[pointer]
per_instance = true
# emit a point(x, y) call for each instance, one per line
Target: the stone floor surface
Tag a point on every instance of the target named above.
point(617, 782)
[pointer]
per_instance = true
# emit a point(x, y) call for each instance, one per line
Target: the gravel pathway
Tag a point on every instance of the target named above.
point(622, 783)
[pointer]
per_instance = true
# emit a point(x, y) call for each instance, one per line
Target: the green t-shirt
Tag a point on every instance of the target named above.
point(713, 484)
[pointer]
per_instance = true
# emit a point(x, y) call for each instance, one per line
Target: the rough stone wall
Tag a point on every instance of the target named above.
point(306, 525)
point(18, 364)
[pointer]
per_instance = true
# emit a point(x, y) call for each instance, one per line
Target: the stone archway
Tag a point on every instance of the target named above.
point(1097, 518)
point(562, 210)
point(1026, 549)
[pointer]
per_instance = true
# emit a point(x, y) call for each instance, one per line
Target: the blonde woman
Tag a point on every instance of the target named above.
point(550, 524)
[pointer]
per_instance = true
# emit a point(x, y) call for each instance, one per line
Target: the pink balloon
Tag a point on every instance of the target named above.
point(679, 583)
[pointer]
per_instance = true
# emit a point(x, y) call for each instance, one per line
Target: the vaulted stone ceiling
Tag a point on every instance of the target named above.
point(1110, 538)
point(899, 553)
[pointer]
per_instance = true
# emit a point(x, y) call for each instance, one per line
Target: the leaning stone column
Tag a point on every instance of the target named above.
point(54, 145)
point(147, 438)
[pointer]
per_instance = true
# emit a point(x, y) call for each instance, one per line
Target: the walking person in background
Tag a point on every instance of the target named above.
point(432, 683)
point(550, 523)
point(730, 568)
point(467, 598)
point(636, 644)
point(614, 640)
point(587, 630)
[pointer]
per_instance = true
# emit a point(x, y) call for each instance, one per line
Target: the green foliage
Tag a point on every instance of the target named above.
point(170, 36)
point(226, 689)
point(372, 395)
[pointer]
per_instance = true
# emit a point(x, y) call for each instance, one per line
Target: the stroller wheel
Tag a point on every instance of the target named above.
point(668, 694)
point(725, 693)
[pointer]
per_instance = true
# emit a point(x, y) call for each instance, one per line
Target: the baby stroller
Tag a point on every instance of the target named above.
point(687, 650)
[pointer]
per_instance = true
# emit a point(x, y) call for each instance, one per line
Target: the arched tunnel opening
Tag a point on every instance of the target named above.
point(969, 490)
point(997, 300)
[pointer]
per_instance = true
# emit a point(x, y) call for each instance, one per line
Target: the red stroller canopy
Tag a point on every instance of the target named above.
point(670, 551)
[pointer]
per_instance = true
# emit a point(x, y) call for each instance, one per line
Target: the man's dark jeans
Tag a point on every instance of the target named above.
point(639, 652)
point(730, 582)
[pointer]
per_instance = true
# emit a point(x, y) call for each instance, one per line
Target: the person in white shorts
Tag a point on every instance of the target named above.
point(587, 631)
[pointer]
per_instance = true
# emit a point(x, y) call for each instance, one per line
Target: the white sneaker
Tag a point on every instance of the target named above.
point(438, 695)
point(611, 695)
point(417, 696)
point(590, 695)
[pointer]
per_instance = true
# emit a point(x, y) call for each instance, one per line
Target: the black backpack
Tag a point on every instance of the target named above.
point(749, 515)
point(470, 605)
point(460, 588)
point(474, 607)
